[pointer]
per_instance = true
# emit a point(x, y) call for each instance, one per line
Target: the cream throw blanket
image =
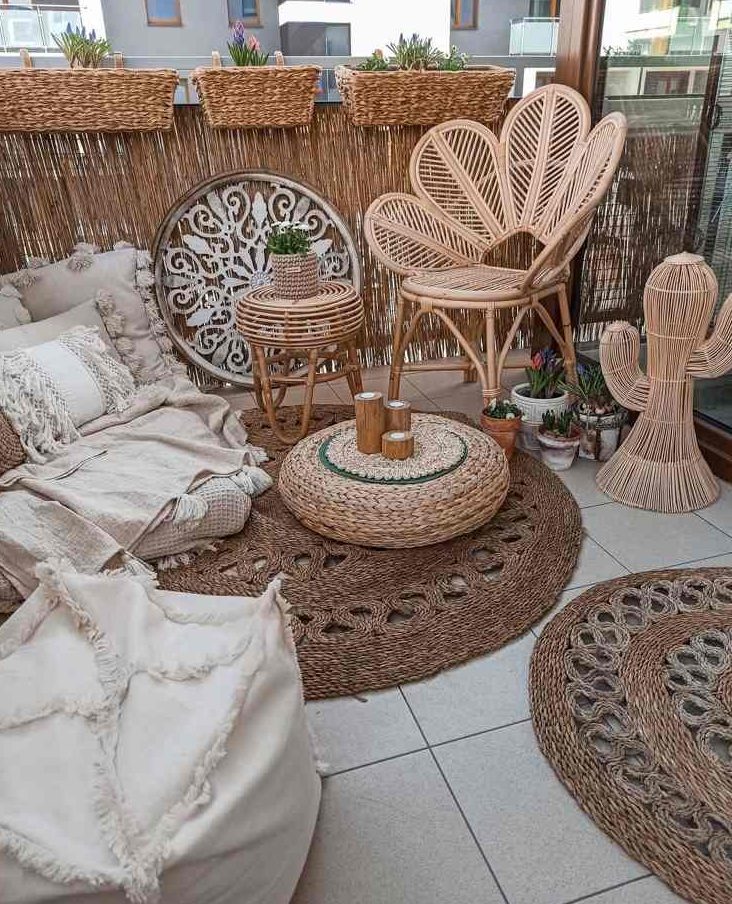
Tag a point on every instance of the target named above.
point(126, 473)
point(118, 702)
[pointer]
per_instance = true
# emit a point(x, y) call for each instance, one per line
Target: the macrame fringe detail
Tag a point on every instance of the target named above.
point(251, 480)
point(189, 508)
point(22, 279)
point(35, 263)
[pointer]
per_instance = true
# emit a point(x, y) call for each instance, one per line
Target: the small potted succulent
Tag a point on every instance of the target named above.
point(558, 439)
point(294, 264)
point(543, 391)
point(253, 93)
point(384, 91)
point(599, 416)
point(501, 420)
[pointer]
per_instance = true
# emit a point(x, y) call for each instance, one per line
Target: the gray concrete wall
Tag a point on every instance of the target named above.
point(205, 28)
point(491, 37)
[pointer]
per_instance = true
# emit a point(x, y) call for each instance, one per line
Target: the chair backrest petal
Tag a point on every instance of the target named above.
point(408, 235)
point(540, 137)
point(456, 167)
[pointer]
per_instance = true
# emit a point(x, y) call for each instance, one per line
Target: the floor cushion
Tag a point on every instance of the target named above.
point(227, 508)
point(250, 813)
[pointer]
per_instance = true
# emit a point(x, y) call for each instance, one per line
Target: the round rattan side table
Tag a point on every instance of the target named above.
point(457, 482)
point(320, 330)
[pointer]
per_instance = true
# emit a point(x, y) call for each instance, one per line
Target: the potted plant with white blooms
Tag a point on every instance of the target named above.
point(501, 420)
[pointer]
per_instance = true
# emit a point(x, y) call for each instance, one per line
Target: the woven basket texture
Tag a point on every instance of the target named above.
point(295, 275)
point(251, 97)
point(86, 100)
point(12, 453)
point(413, 98)
point(364, 618)
point(631, 692)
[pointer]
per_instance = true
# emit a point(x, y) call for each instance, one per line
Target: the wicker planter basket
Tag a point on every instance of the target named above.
point(86, 100)
point(418, 98)
point(295, 275)
point(256, 97)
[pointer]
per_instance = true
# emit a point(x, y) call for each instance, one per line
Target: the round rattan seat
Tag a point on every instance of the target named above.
point(333, 315)
point(477, 283)
point(401, 512)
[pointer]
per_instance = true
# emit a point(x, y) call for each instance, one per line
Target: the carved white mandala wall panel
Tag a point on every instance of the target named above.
point(212, 245)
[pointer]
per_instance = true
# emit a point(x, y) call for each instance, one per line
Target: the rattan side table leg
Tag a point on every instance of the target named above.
point(270, 409)
point(353, 373)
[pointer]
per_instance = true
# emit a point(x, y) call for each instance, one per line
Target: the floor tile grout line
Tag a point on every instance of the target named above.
point(607, 552)
point(712, 524)
point(457, 803)
point(385, 759)
point(603, 891)
point(478, 734)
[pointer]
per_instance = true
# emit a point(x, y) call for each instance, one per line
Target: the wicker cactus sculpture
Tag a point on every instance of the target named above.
point(660, 466)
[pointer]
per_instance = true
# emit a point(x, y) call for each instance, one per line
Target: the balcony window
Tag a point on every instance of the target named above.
point(464, 13)
point(544, 9)
point(246, 11)
point(163, 12)
point(315, 39)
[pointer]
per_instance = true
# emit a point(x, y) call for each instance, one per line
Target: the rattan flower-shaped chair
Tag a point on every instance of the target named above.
point(473, 192)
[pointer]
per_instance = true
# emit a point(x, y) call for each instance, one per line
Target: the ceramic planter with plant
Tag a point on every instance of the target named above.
point(252, 93)
point(542, 392)
point(294, 264)
point(88, 96)
point(558, 439)
point(502, 421)
point(599, 416)
point(418, 84)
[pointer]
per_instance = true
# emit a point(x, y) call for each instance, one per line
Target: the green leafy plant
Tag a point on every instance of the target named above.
point(499, 408)
point(82, 50)
point(245, 50)
point(590, 391)
point(288, 239)
point(559, 423)
point(454, 61)
point(545, 374)
point(415, 53)
point(375, 63)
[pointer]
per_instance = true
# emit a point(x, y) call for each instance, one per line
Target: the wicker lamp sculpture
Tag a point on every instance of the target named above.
point(660, 466)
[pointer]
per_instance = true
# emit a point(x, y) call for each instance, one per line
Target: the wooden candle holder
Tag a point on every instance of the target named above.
point(370, 421)
point(398, 415)
point(397, 445)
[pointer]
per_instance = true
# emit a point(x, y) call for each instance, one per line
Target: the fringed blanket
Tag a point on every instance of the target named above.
point(127, 473)
point(118, 702)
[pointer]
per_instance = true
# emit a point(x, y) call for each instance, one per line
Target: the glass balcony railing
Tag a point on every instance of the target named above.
point(33, 27)
point(533, 37)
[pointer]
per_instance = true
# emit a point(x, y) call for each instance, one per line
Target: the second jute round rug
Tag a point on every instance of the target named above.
point(365, 619)
point(631, 698)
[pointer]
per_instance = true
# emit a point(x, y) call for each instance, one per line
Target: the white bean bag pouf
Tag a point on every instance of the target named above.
point(153, 746)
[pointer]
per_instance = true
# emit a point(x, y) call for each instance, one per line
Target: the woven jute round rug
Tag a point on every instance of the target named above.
point(631, 695)
point(364, 618)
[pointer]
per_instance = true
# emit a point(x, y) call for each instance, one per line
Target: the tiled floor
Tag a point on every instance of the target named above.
point(437, 791)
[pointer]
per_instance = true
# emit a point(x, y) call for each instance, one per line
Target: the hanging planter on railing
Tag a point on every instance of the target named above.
point(85, 99)
point(256, 96)
point(420, 86)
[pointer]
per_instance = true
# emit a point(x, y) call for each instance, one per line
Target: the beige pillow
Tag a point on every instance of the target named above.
point(45, 330)
point(121, 282)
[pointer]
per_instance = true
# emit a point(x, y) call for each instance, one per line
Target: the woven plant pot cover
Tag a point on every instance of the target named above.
point(365, 618)
point(631, 695)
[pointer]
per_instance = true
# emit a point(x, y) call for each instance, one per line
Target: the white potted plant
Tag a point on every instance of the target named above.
point(600, 417)
point(558, 439)
point(541, 393)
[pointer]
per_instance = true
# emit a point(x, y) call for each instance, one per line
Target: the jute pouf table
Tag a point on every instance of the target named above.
point(456, 481)
point(320, 330)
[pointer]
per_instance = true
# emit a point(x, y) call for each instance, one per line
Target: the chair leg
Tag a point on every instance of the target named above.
point(570, 358)
point(353, 374)
point(492, 389)
point(470, 374)
point(398, 360)
point(397, 350)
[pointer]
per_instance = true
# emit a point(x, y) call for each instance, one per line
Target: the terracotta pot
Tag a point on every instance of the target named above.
point(503, 431)
point(558, 452)
point(533, 410)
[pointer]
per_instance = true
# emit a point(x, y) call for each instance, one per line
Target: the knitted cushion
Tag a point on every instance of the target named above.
point(226, 508)
point(11, 450)
point(49, 390)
